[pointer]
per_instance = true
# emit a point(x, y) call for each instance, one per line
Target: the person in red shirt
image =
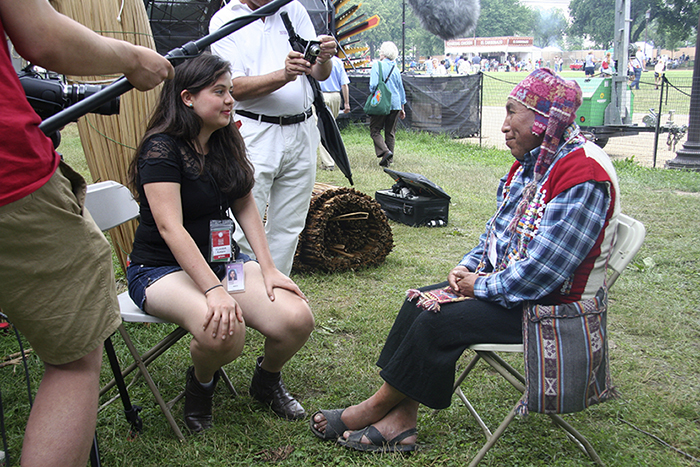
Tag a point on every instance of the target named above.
point(56, 280)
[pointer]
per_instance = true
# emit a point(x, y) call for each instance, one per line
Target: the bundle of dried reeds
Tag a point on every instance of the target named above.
point(109, 141)
point(345, 229)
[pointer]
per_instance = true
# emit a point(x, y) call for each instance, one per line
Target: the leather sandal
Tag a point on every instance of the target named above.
point(377, 443)
point(335, 427)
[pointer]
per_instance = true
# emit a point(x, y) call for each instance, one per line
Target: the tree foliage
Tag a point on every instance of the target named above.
point(548, 27)
point(594, 19)
point(678, 21)
point(504, 18)
point(669, 20)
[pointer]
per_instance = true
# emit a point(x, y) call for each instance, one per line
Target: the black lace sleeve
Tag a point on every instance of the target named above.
point(160, 160)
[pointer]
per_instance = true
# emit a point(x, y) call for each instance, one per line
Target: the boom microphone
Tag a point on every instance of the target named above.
point(447, 19)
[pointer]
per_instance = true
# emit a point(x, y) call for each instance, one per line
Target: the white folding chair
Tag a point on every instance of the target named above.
point(111, 204)
point(629, 238)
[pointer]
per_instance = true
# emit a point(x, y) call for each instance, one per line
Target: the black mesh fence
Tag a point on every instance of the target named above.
point(436, 104)
point(176, 22)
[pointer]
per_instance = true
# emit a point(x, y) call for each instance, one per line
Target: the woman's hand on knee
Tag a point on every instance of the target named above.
point(222, 312)
point(274, 278)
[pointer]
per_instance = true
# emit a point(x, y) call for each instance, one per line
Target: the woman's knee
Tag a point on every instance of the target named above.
point(296, 322)
point(232, 344)
point(301, 319)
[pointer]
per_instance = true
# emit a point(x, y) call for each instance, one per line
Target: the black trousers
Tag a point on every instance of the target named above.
point(386, 123)
point(421, 351)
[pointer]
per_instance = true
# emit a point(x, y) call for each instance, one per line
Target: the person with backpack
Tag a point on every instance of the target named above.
point(390, 75)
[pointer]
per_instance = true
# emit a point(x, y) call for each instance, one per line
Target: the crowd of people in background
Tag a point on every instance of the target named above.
point(600, 64)
point(465, 65)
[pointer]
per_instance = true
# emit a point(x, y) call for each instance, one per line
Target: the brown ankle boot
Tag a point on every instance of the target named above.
point(269, 389)
point(198, 402)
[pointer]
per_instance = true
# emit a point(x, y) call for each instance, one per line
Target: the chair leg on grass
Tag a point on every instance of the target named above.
point(492, 440)
point(577, 438)
point(227, 381)
point(512, 375)
point(94, 454)
point(148, 356)
point(458, 390)
point(131, 411)
point(517, 380)
point(141, 361)
point(146, 375)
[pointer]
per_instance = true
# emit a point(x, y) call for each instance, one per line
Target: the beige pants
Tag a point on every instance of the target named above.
point(56, 279)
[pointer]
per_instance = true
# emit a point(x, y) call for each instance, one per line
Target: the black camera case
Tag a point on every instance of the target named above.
point(414, 200)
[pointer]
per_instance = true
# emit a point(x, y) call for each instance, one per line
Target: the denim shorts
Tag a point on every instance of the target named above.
point(140, 277)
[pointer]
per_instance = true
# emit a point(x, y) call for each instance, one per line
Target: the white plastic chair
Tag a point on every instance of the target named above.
point(629, 238)
point(111, 204)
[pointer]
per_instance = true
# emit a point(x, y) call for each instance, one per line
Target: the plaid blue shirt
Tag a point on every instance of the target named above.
point(568, 230)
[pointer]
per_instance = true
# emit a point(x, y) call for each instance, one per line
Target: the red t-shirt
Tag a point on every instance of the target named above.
point(27, 156)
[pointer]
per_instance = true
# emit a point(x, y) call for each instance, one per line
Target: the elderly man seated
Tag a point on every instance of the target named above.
point(547, 243)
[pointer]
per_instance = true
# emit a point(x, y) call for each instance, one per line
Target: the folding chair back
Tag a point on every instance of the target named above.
point(111, 204)
point(629, 238)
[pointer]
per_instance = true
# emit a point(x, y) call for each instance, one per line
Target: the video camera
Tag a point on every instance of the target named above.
point(48, 93)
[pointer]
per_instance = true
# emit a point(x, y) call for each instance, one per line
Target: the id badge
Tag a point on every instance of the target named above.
point(221, 240)
point(235, 278)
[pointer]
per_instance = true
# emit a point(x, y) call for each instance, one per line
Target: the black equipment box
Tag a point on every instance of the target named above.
point(414, 200)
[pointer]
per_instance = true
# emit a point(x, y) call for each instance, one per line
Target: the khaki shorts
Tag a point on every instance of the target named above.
point(56, 278)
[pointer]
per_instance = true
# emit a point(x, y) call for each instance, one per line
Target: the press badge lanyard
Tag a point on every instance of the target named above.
point(222, 247)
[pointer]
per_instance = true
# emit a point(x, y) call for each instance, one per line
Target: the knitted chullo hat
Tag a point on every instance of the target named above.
point(554, 101)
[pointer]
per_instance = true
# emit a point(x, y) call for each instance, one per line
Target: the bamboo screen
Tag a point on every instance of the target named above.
point(109, 142)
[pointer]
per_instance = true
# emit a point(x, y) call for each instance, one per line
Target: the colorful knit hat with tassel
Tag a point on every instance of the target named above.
point(554, 101)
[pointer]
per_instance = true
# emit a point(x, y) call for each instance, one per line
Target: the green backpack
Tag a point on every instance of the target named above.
point(379, 102)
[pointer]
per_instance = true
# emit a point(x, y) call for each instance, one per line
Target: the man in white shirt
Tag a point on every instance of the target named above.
point(641, 56)
point(589, 67)
point(273, 101)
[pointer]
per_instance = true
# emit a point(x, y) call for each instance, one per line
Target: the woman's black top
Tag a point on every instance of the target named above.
point(164, 159)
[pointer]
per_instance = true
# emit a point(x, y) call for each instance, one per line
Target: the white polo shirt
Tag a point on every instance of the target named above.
point(261, 47)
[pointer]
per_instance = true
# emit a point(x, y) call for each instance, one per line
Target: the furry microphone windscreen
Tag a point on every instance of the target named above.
point(447, 19)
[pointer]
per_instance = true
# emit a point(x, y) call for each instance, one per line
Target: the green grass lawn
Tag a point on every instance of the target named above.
point(654, 328)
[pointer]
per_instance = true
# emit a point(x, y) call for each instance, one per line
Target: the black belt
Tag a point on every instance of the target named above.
point(290, 120)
